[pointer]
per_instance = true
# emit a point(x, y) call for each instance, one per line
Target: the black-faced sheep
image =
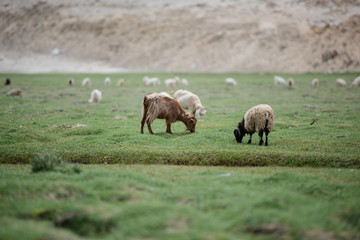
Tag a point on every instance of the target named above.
point(258, 119)
point(162, 107)
point(71, 82)
point(7, 82)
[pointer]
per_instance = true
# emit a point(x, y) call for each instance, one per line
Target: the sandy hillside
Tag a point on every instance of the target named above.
point(189, 35)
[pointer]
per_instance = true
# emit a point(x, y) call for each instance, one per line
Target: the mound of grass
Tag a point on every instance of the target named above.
point(180, 202)
point(50, 162)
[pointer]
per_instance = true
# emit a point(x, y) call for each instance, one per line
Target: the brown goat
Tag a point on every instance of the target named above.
point(158, 106)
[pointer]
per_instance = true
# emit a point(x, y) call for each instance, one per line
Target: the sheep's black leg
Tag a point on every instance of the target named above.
point(261, 138)
point(266, 134)
point(149, 127)
point(250, 138)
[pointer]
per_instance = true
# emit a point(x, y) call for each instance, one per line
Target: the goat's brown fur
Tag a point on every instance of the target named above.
point(158, 106)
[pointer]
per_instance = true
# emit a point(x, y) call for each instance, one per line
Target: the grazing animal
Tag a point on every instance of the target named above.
point(165, 94)
point(190, 101)
point(162, 107)
point(71, 82)
point(86, 82)
point(258, 119)
point(290, 82)
point(185, 82)
point(95, 96)
point(356, 82)
point(120, 82)
point(172, 83)
point(151, 81)
point(230, 81)
point(15, 92)
point(7, 82)
point(315, 82)
point(107, 81)
point(279, 80)
point(340, 82)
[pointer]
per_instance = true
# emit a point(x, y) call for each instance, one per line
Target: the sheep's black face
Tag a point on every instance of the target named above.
point(238, 135)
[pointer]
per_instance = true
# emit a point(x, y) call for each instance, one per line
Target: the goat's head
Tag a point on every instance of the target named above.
point(200, 112)
point(190, 123)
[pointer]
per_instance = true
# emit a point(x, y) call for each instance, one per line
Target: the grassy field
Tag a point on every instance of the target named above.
point(180, 202)
point(45, 120)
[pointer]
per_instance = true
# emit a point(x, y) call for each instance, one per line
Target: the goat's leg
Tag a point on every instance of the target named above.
point(250, 138)
point(261, 133)
point(168, 127)
point(149, 127)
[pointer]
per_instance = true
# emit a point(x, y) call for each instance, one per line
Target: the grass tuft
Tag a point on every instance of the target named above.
point(50, 162)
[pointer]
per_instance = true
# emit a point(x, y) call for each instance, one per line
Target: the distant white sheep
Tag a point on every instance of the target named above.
point(107, 81)
point(172, 83)
point(120, 82)
point(95, 96)
point(230, 81)
point(185, 82)
point(340, 82)
point(151, 81)
point(315, 82)
point(279, 80)
point(15, 92)
point(86, 82)
point(356, 82)
point(191, 101)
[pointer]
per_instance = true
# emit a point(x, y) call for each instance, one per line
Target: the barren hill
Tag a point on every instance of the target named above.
point(165, 35)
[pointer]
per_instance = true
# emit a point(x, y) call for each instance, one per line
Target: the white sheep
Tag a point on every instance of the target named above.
point(71, 81)
point(172, 83)
point(230, 81)
point(151, 81)
point(340, 82)
point(190, 101)
point(279, 80)
point(291, 82)
point(120, 82)
point(185, 82)
point(15, 92)
point(315, 82)
point(258, 119)
point(107, 81)
point(95, 96)
point(86, 82)
point(356, 82)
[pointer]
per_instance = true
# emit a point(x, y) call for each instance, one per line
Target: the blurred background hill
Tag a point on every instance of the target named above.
point(191, 35)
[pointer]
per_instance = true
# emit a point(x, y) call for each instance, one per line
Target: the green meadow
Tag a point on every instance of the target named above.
point(304, 185)
point(313, 127)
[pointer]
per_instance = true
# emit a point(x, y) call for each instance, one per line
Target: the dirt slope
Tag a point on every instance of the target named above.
point(212, 36)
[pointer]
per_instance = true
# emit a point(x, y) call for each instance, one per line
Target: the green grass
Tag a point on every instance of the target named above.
point(179, 202)
point(42, 122)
